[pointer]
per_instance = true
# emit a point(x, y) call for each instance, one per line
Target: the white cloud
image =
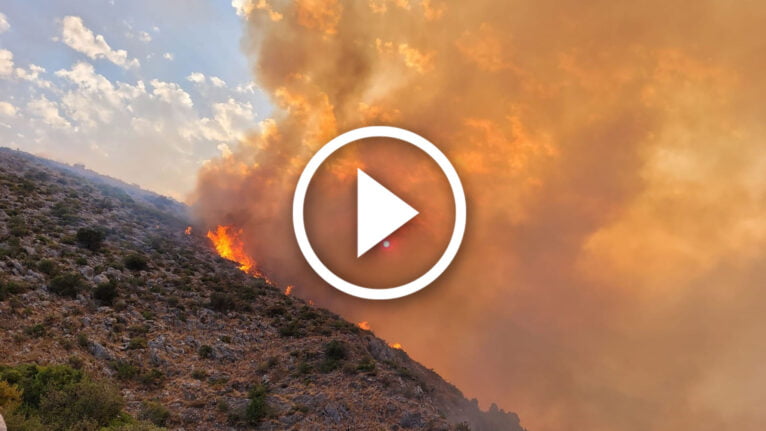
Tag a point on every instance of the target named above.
point(230, 120)
point(32, 74)
point(7, 109)
point(217, 82)
point(6, 63)
point(82, 39)
point(48, 111)
point(170, 92)
point(111, 125)
point(246, 7)
point(4, 26)
point(144, 37)
point(241, 6)
point(196, 77)
point(168, 56)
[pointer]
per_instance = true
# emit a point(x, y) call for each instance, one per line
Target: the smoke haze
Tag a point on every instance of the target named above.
point(613, 274)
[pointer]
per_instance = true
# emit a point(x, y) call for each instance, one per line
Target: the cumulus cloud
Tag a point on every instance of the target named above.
point(112, 126)
point(168, 56)
point(217, 82)
point(48, 112)
point(6, 63)
point(77, 36)
point(196, 77)
point(4, 25)
point(7, 109)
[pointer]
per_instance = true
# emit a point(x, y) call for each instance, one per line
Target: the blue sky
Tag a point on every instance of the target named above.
point(145, 91)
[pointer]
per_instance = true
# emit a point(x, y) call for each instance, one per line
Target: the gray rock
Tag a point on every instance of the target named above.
point(412, 420)
point(87, 272)
point(100, 279)
point(99, 351)
point(335, 413)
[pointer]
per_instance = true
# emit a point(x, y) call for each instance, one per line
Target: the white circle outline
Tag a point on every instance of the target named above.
point(379, 132)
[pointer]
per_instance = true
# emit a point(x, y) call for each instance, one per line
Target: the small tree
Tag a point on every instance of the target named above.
point(91, 238)
point(257, 409)
point(135, 262)
point(68, 285)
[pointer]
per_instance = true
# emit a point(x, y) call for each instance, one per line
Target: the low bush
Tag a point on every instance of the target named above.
point(155, 413)
point(69, 284)
point(60, 398)
point(105, 293)
point(257, 409)
point(91, 238)
point(205, 352)
point(135, 262)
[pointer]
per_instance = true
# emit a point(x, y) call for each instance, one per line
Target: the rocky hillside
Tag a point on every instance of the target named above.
point(103, 277)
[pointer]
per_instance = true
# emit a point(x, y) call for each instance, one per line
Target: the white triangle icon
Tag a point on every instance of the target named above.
point(379, 213)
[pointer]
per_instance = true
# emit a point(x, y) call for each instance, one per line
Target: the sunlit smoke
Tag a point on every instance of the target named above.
point(612, 275)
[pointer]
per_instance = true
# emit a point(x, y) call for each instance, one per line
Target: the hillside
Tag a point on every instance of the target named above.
point(103, 277)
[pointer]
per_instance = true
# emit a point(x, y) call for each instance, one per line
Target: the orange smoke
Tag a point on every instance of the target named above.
point(612, 276)
point(228, 243)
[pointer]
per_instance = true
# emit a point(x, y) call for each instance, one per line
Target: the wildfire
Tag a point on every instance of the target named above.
point(188, 230)
point(289, 290)
point(365, 325)
point(228, 244)
point(396, 346)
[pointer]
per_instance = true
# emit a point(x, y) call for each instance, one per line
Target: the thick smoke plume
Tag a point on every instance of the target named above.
point(613, 275)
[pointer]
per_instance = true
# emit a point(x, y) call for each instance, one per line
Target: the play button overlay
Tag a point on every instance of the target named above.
point(380, 213)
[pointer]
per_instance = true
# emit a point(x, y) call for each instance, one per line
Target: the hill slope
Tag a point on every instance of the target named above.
point(102, 276)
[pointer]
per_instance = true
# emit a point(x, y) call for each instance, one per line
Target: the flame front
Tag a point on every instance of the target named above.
point(396, 346)
point(228, 243)
point(365, 325)
point(289, 290)
point(188, 230)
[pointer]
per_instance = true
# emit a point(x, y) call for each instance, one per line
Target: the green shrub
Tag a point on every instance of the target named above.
point(205, 352)
point(68, 284)
point(257, 409)
point(367, 365)
point(137, 343)
point(222, 302)
point(135, 262)
point(105, 293)
point(335, 350)
point(155, 413)
point(91, 238)
point(10, 396)
point(48, 267)
point(35, 331)
point(125, 370)
point(334, 354)
point(59, 398)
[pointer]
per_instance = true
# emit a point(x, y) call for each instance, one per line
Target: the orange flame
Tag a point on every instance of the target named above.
point(364, 325)
point(188, 230)
point(396, 346)
point(289, 290)
point(228, 244)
